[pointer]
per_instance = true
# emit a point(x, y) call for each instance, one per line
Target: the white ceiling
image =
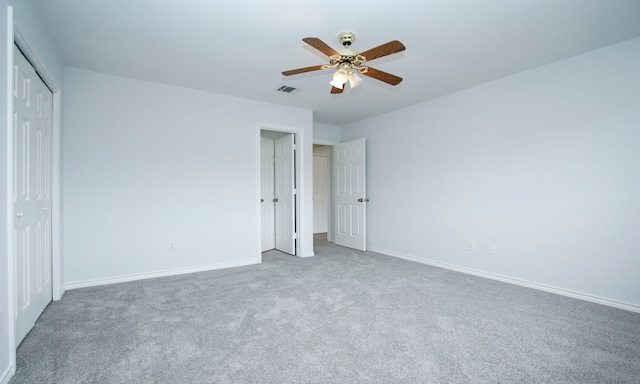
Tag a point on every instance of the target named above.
point(240, 47)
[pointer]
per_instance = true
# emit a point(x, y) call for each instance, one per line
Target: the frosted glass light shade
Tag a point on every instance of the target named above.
point(339, 78)
point(354, 80)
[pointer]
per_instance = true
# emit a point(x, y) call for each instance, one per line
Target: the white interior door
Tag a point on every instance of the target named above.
point(285, 194)
point(320, 194)
point(267, 193)
point(350, 194)
point(32, 148)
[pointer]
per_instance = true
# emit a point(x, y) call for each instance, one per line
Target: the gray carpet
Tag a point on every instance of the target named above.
point(340, 317)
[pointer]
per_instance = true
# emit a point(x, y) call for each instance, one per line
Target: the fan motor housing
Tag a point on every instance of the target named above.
point(348, 53)
point(347, 38)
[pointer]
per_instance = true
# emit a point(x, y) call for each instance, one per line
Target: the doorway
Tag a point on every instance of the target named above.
point(321, 190)
point(278, 197)
point(347, 197)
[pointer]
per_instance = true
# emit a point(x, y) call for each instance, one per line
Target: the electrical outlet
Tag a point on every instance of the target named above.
point(491, 248)
point(470, 246)
point(172, 246)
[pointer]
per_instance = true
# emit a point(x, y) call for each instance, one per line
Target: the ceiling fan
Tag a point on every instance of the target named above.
point(349, 62)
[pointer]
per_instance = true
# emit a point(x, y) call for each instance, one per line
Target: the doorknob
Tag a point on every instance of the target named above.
point(262, 200)
point(275, 200)
point(365, 200)
point(19, 214)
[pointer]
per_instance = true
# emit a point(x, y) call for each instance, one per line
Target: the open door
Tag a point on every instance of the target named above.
point(350, 194)
point(267, 193)
point(285, 195)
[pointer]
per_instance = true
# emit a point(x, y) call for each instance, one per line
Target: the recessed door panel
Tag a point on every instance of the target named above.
point(23, 156)
point(355, 221)
point(23, 266)
point(355, 179)
point(341, 227)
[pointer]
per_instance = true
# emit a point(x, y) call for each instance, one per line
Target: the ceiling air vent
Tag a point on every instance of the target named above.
point(286, 89)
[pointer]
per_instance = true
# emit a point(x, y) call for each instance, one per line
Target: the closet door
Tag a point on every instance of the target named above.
point(267, 193)
point(285, 194)
point(32, 172)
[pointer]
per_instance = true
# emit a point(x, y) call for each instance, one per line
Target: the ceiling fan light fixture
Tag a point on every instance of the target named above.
point(354, 80)
point(349, 62)
point(339, 78)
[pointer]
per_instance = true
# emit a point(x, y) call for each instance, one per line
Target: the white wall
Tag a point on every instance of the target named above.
point(146, 164)
point(545, 164)
point(30, 28)
point(326, 134)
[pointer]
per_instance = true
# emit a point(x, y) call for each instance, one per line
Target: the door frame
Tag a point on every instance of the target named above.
point(301, 192)
point(330, 225)
point(15, 37)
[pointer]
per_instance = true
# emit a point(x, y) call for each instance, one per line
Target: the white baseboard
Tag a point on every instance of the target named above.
point(152, 275)
point(511, 280)
point(7, 375)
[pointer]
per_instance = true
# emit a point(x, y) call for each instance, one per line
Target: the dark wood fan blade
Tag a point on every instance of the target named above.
point(320, 46)
point(335, 90)
point(383, 76)
point(302, 70)
point(383, 50)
